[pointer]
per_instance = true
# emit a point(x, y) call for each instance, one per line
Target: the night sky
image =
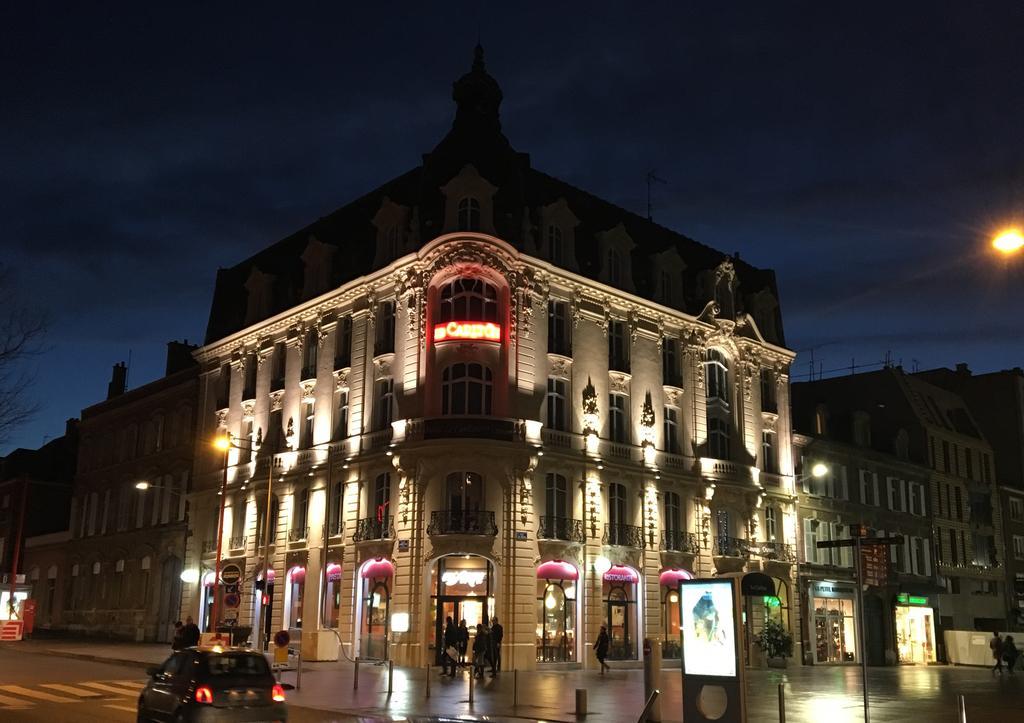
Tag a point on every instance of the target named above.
point(864, 151)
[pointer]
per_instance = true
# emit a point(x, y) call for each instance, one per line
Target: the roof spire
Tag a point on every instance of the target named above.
point(478, 58)
point(477, 97)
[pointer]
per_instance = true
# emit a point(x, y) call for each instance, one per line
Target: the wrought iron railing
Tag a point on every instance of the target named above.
point(370, 528)
point(237, 542)
point(298, 534)
point(779, 551)
point(210, 545)
point(625, 535)
point(731, 547)
point(462, 522)
point(679, 541)
point(335, 528)
point(561, 528)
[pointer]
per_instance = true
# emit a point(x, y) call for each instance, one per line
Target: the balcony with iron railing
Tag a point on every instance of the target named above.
point(335, 528)
point(726, 546)
point(209, 546)
point(561, 528)
point(625, 535)
point(679, 541)
point(298, 534)
point(462, 522)
point(776, 551)
point(237, 542)
point(370, 528)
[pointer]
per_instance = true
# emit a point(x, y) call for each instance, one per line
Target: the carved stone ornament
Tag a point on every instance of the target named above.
point(618, 382)
point(412, 314)
point(307, 388)
point(276, 400)
point(559, 366)
point(769, 421)
point(634, 325)
point(577, 311)
point(647, 412)
point(341, 379)
point(382, 366)
point(248, 409)
point(222, 418)
point(748, 380)
point(290, 431)
point(673, 396)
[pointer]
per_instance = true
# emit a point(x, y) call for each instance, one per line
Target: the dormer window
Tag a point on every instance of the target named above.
point(469, 214)
point(555, 244)
point(612, 271)
point(665, 288)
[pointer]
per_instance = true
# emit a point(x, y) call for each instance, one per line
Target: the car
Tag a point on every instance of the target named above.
point(212, 684)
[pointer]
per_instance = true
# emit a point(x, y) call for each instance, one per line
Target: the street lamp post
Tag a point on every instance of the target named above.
point(225, 443)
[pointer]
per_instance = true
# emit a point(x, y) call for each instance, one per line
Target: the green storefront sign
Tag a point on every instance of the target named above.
point(904, 599)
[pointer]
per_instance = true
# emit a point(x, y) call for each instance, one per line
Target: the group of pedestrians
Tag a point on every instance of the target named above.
point(486, 647)
point(1003, 651)
point(185, 636)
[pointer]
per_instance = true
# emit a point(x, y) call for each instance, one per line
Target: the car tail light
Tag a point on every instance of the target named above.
point(277, 693)
point(204, 694)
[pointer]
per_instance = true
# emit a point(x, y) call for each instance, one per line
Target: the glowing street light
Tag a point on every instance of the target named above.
point(1008, 242)
point(223, 443)
point(819, 470)
point(143, 485)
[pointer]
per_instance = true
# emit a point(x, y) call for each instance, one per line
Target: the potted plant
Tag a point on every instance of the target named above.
point(775, 642)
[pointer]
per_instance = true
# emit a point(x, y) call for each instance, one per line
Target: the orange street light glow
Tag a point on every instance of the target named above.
point(222, 443)
point(467, 330)
point(1008, 242)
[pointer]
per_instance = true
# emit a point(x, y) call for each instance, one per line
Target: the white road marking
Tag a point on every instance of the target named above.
point(38, 694)
point(109, 688)
point(127, 683)
point(73, 691)
point(122, 707)
point(14, 702)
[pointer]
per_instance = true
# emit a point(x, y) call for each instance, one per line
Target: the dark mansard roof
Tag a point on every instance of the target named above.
point(476, 139)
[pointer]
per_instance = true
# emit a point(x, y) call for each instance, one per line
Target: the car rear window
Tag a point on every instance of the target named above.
point(237, 664)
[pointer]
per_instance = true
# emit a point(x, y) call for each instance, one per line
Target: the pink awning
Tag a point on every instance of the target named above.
point(378, 568)
point(270, 575)
point(557, 570)
point(621, 573)
point(297, 575)
point(672, 576)
point(333, 572)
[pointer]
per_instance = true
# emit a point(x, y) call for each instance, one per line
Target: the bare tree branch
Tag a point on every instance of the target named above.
point(22, 331)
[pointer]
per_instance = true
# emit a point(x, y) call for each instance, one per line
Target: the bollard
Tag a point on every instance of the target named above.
point(652, 673)
point(961, 706)
point(355, 675)
point(515, 687)
point(472, 678)
point(298, 671)
point(427, 678)
point(782, 703)
point(391, 677)
point(581, 701)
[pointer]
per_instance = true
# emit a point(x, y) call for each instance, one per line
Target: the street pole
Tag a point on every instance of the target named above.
point(323, 549)
point(220, 542)
point(266, 553)
point(860, 620)
point(11, 604)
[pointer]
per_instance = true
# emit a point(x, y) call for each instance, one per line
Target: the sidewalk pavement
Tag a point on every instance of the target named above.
point(813, 694)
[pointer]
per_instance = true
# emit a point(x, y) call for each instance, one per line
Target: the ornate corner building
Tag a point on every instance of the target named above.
point(479, 392)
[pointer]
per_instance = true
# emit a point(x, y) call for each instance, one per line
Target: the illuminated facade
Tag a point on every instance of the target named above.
point(480, 392)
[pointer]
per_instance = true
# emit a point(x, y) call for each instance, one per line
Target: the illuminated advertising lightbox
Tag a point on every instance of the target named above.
point(709, 628)
point(467, 331)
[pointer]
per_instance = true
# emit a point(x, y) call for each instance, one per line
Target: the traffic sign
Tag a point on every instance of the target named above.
point(282, 638)
point(230, 574)
point(232, 600)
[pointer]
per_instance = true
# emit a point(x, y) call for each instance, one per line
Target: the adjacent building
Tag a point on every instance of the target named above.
point(35, 498)
point(480, 392)
point(115, 570)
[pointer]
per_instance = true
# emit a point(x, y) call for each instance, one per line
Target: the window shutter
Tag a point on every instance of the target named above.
point(810, 551)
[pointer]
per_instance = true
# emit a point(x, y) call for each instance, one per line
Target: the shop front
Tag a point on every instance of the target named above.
point(294, 594)
point(556, 612)
point(332, 595)
point(832, 621)
point(619, 592)
point(376, 576)
point(669, 580)
point(263, 606)
point(915, 629)
point(462, 588)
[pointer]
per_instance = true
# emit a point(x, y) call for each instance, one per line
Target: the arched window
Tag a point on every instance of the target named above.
point(468, 299)
point(555, 244)
point(718, 437)
point(466, 389)
point(716, 370)
point(469, 214)
point(556, 496)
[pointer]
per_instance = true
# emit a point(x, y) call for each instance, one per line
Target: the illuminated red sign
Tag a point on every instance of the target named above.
point(467, 330)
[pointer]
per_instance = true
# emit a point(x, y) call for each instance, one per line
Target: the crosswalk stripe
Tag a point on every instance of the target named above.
point(38, 694)
point(14, 702)
point(127, 683)
point(109, 688)
point(73, 691)
point(121, 707)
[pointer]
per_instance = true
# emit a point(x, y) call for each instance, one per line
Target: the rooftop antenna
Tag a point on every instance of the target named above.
point(651, 178)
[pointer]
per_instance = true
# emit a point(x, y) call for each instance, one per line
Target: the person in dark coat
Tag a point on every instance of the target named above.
point(481, 650)
point(176, 639)
point(1009, 653)
point(189, 634)
point(497, 634)
point(463, 641)
point(449, 643)
point(995, 644)
point(601, 648)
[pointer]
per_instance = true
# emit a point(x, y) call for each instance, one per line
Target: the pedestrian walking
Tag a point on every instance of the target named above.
point(450, 647)
point(995, 644)
point(497, 635)
point(481, 650)
point(1009, 653)
point(176, 638)
point(601, 648)
point(463, 641)
point(189, 633)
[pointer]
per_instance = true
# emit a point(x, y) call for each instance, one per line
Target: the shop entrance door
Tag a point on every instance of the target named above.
point(459, 608)
point(835, 638)
point(621, 647)
point(915, 633)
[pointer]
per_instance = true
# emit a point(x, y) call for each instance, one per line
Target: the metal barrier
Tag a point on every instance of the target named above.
point(647, 708)
point(961, 709)
point(782, 703)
